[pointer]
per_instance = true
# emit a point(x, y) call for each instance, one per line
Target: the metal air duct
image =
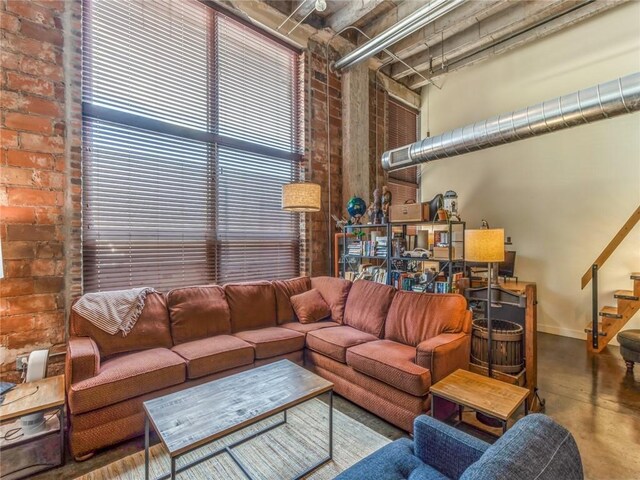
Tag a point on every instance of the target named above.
point(397, 32)
point(606, 100)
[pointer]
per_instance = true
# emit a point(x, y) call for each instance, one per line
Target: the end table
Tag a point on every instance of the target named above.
point(27, 454)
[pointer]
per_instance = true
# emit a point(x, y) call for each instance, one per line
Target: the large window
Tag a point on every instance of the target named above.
point(403, 130)
point(192, 124)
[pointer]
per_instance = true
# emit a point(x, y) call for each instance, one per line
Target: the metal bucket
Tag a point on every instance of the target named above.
point(507, 345)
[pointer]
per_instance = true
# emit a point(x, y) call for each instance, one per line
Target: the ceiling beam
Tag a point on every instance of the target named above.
point(351, 13)
point(518, 39)
point(521, 16)
point(445, 27)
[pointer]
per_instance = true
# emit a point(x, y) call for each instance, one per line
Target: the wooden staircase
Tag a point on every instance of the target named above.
point(612, 319)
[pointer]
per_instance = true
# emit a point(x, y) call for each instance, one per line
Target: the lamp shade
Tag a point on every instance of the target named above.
point(301, 197)
point(485, 245)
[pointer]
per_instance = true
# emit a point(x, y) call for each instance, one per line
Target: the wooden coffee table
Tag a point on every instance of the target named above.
point(199, 415)
point(489, 396)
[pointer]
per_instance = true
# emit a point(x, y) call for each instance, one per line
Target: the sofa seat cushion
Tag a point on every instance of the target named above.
point(392, 363)
point(333, 342)
point(214, 354)
point(310, 327)
point(127, 376)
point(273, 341)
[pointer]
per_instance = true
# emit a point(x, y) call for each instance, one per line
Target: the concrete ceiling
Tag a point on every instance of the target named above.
point(470, 33)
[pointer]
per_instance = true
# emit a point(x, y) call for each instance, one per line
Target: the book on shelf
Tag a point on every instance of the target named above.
point(368, 272)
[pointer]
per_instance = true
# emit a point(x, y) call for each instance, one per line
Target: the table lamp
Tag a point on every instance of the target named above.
point(485, 245)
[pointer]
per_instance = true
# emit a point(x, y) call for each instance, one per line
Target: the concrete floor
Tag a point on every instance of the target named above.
point(591, 395)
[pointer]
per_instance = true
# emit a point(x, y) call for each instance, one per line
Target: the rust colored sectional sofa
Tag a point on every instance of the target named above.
point(381, 348)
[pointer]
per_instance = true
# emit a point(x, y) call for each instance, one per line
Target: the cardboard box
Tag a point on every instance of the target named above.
point(409, 212)
point(442, 253)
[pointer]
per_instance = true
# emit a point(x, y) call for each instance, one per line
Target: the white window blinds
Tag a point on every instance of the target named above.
point(191, 126)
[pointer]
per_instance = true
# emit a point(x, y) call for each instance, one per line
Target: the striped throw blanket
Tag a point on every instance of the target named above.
point(113, 312)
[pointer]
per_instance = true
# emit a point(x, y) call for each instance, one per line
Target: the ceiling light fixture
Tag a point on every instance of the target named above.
point(321, 5)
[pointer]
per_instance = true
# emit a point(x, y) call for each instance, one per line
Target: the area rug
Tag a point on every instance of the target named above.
point(281, 453)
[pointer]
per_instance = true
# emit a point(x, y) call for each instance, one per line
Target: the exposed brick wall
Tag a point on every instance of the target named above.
point(324, 148)
point(34, 217)
point(377, 129)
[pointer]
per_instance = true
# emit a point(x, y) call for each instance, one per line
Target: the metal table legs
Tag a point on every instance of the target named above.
point(228, 449)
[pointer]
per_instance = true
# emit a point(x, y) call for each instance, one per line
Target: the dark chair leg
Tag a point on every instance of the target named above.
point(629, 365)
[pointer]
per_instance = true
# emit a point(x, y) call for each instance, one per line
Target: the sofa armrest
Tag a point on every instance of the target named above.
point(82, 361)
point(448, 450)
point(444, 354)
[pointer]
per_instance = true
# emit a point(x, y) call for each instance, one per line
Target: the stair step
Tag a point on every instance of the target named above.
point(601, 333)
point(626, 295)
point(610, 312)
point(635, 276)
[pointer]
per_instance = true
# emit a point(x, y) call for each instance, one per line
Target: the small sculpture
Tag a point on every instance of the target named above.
point(386, 203)
point(375, 209)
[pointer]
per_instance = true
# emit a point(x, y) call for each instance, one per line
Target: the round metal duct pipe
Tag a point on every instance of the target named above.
point(397, 32)
point(606, 100)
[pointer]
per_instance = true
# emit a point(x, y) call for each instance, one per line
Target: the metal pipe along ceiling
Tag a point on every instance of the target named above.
point(397, 32)
point(606, 100)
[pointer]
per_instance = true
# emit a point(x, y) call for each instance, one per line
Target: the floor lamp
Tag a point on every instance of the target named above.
point(485, 245)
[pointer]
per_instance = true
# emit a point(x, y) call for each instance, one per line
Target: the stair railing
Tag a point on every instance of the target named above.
point(591, 275)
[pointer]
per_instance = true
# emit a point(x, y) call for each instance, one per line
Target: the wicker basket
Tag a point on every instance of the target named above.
point(507, 345)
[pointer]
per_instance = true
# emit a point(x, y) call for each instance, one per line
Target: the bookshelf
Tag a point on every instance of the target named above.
point(359, 254)
point(438, 274)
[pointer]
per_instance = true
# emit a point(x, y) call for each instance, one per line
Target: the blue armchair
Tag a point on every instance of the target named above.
point(536, 447)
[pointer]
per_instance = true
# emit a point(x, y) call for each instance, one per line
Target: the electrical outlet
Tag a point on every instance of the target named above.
point(22, 362)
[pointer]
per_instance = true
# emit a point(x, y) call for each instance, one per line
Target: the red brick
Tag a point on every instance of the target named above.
point(41, 106)
point(17, 268)
point(12, 287)
point(12, 324)
point(31, 304)
point(30, 196)
point(53, 180)
point(49, 284)
point(49, 215)
point(39, 32)
point(10, 100)
point(49, 249)
point(17, 214)
point(32, 123)
point(22, 83)
point(16, 176)
point(19, 158)
point(9, 61)
point(19, 250)
point(44, 267)
point(30, 232)
point(9, 22)
point(40, 143)
point(55, 5)
point(50, 321)
point(8, 138)
point(41, 69)
point(31, 11)
point(30, 47)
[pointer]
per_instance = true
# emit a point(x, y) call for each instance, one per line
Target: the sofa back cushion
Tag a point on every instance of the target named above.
point(367, 306)
point(335, 292)
point(198, 312)
point(252, 305)
point(415, 317)
point(285, 289)
point(150, 331)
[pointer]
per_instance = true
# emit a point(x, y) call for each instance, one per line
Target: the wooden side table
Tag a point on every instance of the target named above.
point(489, 396)
point(26, 455)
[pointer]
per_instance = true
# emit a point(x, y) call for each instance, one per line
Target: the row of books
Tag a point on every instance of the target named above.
point(368, 248)
point(370, 272)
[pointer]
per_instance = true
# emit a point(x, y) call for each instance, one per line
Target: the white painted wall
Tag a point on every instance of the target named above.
point(562, 196)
